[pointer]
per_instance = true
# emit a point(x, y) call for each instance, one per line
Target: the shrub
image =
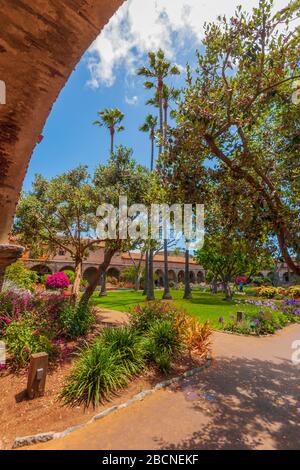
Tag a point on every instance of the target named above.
point(57, 280)
point(162, 343)
point(128, 274)
point(127, 344)
point(196, 336)
point(70, 275)
point(142, 316)
point(23, 340)
point(75, 320)
point(268, 292)
point(22, 277)
point(294, 291)
point(259, 280)
point(13, 304)
point(112, 280)
point(97, 373)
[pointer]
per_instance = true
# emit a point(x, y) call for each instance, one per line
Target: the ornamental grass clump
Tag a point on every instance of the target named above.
point(128, 345)
point(97, 374)
point(162, 343)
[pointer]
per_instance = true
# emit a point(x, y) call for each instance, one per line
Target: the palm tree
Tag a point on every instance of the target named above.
point(149, 126)
point(157, 72)
point(111, 118)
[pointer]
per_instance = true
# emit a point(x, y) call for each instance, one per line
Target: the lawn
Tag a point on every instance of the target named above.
point(203, 305)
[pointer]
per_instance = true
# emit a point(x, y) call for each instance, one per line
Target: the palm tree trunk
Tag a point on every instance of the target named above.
point(167, 293)
point(112, 134)
point(146, 273)
point(187, 288)
point(152, 151)
point(160, 91)
point(150, 289)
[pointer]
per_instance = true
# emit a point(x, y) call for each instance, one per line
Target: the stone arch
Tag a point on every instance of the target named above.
point(172, 275)
point(68, 268)
point(159, 281)
point(192, 277)
point(200, 277)
point(286, 277)
point(180, 276)
point(114, 273)
point(90, 274)
point(41, 269)
point(36, 38)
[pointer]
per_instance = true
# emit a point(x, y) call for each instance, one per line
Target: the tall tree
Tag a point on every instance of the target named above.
point(231, 113)
point(111, 119)
point(149, 126)
point(59, 213)
point(121, 176)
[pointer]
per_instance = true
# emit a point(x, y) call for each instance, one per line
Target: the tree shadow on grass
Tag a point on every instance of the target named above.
point(248, 404)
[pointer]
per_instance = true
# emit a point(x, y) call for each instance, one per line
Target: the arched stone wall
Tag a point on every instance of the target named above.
point(40, 44)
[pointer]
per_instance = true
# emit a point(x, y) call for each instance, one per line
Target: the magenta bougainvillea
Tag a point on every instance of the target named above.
point(57, 281)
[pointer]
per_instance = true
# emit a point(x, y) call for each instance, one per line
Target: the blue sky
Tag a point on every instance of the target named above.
point(105, 77)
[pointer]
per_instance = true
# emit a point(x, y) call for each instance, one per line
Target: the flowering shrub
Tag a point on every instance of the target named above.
point(32, 323)
point(241, 279)
point(294, 291)
point(57, 281)
point(268, 292)
point(141, 316)
point(13, 304)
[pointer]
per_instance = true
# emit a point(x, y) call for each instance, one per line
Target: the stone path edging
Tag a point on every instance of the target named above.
point(48, 436)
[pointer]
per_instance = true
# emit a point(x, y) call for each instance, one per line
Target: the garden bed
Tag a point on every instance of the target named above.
point(21, 417)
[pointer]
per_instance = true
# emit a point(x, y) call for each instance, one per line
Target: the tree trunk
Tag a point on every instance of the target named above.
point(112, 134)
point(77, 278)
point(284, 251)
point(150, 288)
point(152, 151)
point(187, 288)
point(137, 282)
point(166, 294)
point(214, 286)
point(227, 291)
point(160, 103)
point(101, 269)
point(146, 273)
point(103, 292)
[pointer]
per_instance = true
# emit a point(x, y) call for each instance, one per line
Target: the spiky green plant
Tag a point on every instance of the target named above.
point(125, 343)
point(96, 375)
point(162, 343)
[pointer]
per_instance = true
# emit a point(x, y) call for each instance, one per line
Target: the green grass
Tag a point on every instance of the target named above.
point(203, 305)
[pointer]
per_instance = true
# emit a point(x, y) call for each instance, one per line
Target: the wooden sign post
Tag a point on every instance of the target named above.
point(239, 316)
point(37, 375)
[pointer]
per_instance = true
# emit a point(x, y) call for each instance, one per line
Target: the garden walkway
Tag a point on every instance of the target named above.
point(248, 399)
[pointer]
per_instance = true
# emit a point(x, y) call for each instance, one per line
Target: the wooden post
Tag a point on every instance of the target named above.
point(37, 375)
point(239, 316)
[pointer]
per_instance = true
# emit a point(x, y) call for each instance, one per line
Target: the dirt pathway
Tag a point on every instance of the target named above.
point(248, 399)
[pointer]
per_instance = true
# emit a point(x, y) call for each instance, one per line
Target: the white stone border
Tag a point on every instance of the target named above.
point(48, 436)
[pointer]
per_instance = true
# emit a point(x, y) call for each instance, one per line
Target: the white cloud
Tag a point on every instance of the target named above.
point(132, 101)
point(143, 25)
